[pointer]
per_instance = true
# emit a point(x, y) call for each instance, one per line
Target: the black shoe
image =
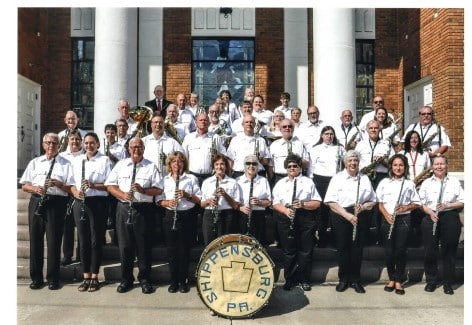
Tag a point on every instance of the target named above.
point(400, 291)
point(448, 289)
point(124, 286)
point(146, 287)
point(53, 285)
point(358, 287)
point(389, 289)
point(183, 287)
point(288, 285)
point(305, 286)
point(66, 261)
point(430, 287)
point(342, 286)
point(36, 284)
point(173, 288)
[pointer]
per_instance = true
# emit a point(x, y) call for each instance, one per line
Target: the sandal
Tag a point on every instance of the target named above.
point(94, 285)
point(84, 285)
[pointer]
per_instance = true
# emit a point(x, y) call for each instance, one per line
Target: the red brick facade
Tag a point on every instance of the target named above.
point(410, 44)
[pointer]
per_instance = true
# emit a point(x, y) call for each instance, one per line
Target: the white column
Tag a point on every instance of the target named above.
point(151, 25)
point(334, 62)
point(296, 57)
point(115, 62)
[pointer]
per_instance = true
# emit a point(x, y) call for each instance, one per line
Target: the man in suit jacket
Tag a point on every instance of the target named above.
point(159, 104)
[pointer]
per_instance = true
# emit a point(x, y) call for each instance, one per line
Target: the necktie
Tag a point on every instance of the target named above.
point(159, 108)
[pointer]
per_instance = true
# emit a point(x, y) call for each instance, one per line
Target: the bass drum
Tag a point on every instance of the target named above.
point(235, 276)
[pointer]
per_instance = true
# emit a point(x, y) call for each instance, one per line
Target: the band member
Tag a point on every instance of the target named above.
point(90, 208)
point(181, 193)
point(348, 133)
point(134, 181)
point(221, 199)
point(326, 159)
point(397, 196)
point(350, 197)
point(257, 197)
point(48, 179)
point(72, 121)
point(112, 148)
point(294, 198)
point(442, 196)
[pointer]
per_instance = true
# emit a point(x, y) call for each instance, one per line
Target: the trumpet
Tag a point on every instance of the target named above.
point(129, 221)
point(42, 200)
point(176, 198)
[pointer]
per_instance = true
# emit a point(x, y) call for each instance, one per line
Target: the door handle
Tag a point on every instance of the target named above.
point(22, 133)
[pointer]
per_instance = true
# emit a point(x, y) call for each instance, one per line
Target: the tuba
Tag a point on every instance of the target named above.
point(171, 130)
point(141, 115)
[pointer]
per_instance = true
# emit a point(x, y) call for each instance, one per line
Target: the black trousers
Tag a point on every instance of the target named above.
point(178, 243)
point(135, 239)
point(396, 247)
point(91, 231)
point(68, 237)
point(51, 223)
point(197, 231)
point(350, 252)
point(297, 244)
point(376, 219)
point(226, 223)
point(323, 213)
point(257, 227)
point(447, 232)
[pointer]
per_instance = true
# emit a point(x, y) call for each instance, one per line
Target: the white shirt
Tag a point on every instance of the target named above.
point(63, 133)
point(343, 190)
point(117, 149)
point(286, 110)
point(369, 149)
point(96, 170)
point(430, 191)
point(260, 190)
point(188, 183)
point(416, 162)
point(155, 148)
point(237, 128)
point(264, 116)
point(242, 146)
point(279, 150)
point(369, 116)
point(305, 190)
point(38, 169)
point(428, 131)
point(147, 176)
point(197, 148)
point(228, 184)
point(186, 117)
point(345, 134)
point(309, 133)
point(388, 193)
point(325, 159)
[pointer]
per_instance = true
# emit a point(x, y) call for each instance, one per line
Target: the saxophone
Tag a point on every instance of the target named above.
point(350, 143)
point(129, 221)
point(215, 211)
point(249, 216)
point(176, 198)
point(390, 230)
point(39, 208)
point(64, 141)
point(422, 176)
point(170, 129)
point(369, 170)
point(427, 143)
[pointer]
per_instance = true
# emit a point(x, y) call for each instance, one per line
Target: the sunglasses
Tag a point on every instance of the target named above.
point(286, 126)
point(292, 166)
point(378, 102)
point(250, 163)
point(425, 114)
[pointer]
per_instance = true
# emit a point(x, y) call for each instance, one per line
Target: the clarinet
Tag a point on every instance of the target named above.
point(39, 208)
point(162, 159)
point(249, 215)
point(82, 189)
point(435, 224)
point(177, 181)
point(294, 197)
point(390, 230)
point(131, 192)
point(354, 228)
point(215, 212)
point(256, 147)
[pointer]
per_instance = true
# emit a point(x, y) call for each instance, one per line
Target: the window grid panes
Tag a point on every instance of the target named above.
point(364, 76)
point(83, 80)
point(222, 64)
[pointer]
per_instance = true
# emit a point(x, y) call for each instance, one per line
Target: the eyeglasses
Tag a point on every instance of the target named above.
point(286, 126)
point(347, 116)
point(292, 166)
point(425, 114)
point(378, 102)
point(280, 116)
point(51, 143)
point(137, 148)
point(251, 163)
point(313, 113)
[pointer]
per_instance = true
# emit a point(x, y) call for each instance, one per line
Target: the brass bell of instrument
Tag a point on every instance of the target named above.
point(141, 115)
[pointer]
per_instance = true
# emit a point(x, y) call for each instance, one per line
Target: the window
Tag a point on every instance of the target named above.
point(82, 80)
point(222, 64)
point(364, 76)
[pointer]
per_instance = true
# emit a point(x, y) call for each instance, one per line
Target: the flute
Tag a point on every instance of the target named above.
point(131, 192)
point(39, 208)
point(83, 188)
point(215, 212)
point(390, 230)
point(249, 216)
point(441, 191)
point(176, 198)
point(354, 228)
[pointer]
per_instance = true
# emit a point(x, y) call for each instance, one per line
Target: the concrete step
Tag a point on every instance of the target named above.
point(22, 233)
point(22, 218)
